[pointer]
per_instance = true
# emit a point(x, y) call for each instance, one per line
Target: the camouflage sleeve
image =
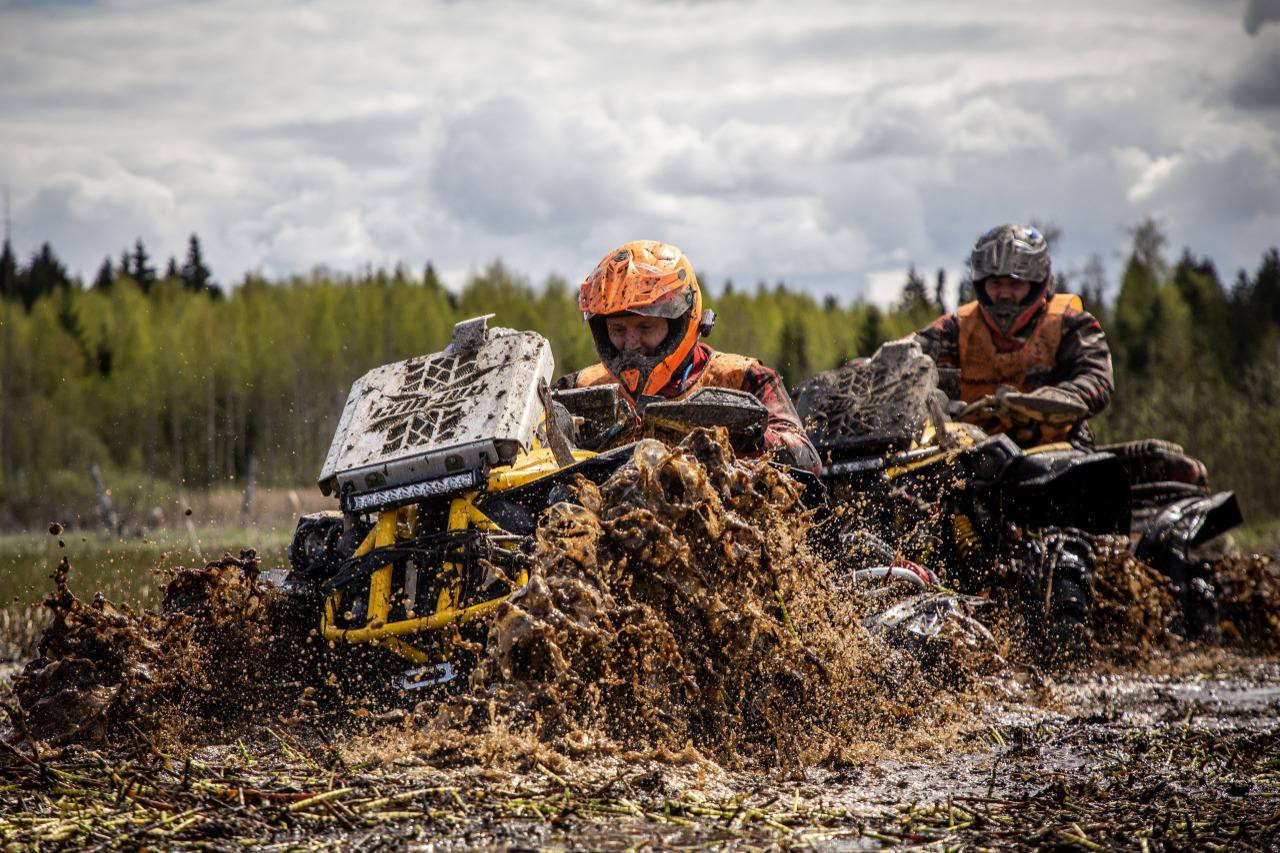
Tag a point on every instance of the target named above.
point(784, 431)
point(940, 340)
point(1084, 361)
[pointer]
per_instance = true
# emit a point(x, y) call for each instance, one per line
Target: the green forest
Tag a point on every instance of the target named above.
point(170, 382)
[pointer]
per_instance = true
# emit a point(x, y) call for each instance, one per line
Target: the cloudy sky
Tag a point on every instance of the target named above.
point(826, 143)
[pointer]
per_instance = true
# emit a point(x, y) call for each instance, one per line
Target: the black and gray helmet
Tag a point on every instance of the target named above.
point(1016, 251)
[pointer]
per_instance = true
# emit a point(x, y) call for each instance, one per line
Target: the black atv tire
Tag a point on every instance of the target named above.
point(1057, 590)
point(1070, 596)
point(319, 546)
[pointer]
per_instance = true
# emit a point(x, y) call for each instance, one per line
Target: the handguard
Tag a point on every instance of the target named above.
point(602, 418)
point(741, 414)
point(1048, 405)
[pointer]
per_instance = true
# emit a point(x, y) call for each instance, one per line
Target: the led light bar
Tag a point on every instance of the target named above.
point(400, 495)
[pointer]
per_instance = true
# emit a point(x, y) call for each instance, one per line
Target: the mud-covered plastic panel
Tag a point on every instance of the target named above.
point(869, 405)
point(1090, 489)
point(470, 407)
point(598, 414)
point(1189, 522)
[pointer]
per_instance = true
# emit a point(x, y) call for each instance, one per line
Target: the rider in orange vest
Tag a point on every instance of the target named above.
point(643, 305)
point(1032, 364)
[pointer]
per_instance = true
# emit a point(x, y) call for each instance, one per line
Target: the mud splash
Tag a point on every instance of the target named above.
point(1249, 601)
point(1133, 604)
point(676, 611)
point(109, 673)
point(678, 606)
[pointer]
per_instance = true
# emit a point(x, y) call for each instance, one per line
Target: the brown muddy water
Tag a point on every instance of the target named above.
point(679, 672)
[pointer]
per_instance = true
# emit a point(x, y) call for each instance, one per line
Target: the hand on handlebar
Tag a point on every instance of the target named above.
point(1048, 405)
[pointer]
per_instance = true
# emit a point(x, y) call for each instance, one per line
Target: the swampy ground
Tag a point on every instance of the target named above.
point(679, 672)
point(1182, 756)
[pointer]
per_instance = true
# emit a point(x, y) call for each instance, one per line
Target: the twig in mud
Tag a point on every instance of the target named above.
point(552, 776)
point(19, 720)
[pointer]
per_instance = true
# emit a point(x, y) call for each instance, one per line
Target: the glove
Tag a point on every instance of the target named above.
point(986, 409)
point(1048, 405)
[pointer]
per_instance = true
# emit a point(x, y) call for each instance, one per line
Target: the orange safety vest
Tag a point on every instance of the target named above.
point(983, 368)
point(723, 370)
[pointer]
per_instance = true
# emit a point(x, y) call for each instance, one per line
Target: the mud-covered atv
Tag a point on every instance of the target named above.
point(441, 465)
point(1018, 523)
point(1179, 523)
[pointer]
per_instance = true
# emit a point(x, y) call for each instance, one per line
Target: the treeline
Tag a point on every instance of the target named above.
point(169, 383)
point(1198, 362)
point(45, 275)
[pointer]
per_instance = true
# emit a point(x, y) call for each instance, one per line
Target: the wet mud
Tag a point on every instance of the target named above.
point(216, 654)
point(678, 607)
point(680, 670)
point(1184, 759)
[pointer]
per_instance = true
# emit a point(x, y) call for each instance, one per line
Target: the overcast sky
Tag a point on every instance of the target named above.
point(825, 143)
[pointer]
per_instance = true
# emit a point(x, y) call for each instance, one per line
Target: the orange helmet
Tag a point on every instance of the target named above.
point(653, 279)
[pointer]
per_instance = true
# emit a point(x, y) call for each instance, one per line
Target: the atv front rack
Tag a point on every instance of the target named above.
point(454, 554)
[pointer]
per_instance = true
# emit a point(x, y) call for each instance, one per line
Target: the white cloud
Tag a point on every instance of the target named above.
point(1155, 173)
point(884, 287)
point(820, 142)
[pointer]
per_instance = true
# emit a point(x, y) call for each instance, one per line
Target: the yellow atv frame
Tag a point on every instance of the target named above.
point(402, 524)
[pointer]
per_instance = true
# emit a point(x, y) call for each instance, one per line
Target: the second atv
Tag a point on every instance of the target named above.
point(1000, 518)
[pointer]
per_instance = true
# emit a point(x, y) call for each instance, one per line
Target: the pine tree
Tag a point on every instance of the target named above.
point(939, 288)
point(8, 273)
point(1196, 281)
point(1148, 247)
point(793, 359)
point(196, 275)
point(914, 296)
point(430, 280)
point(872, 334)
point(142, 271)
point(171, 270)
point(1139, 311)
point(1266, 288)
point(69, 320)
point(915, 303)
point(106, 276)
point(44, 276)
point(1093, 285)
point(1255, 307)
